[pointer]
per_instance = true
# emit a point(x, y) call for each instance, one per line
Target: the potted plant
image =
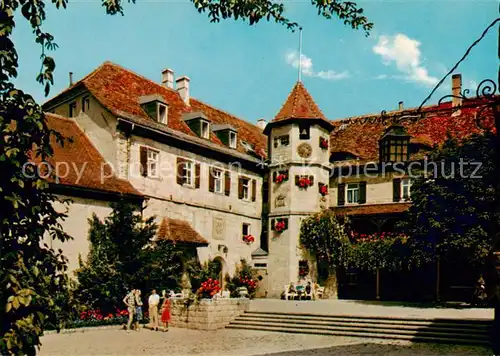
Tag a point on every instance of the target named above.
point(208, 289)
point(323, 143)
point(323, 189)
point(248, 239)
point(304, 182)
point(281, 177)
point(280, 225)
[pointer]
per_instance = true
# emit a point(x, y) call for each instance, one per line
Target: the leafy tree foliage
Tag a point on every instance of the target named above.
point(124, 255)
point(378, 251)
point(31, 273)
point(453, 204)
point(325, 235)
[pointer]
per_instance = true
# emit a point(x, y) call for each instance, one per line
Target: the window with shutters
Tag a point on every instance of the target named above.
point(406, 188)
point(218, 182)
point(153, 163)
point(150, 162)
point(188, 173)
point(246, 189)
point(352, 192)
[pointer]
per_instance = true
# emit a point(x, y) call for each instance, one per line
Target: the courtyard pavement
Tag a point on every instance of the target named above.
point(231, 342)
point(371, 308)
point(112, 341)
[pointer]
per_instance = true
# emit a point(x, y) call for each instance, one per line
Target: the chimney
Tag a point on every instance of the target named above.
point(400, 105)
point(167, 78)
point(182, 85)
point(261, 124)
point(456, 90)
point(70, 78)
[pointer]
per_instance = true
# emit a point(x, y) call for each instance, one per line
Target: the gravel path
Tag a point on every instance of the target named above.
point(230, 342)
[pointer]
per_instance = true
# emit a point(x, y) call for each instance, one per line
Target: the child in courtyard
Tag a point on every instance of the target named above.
point(165, 311)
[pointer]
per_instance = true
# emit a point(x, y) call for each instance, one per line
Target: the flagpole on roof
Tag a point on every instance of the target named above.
point(300, 53)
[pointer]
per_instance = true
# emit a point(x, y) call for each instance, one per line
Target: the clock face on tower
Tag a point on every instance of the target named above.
point(304, 150)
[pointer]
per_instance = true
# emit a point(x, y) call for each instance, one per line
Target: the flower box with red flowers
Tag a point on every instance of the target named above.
point(323, 143)
point(280, 177)
point(304, 182)
point(323, 189)
point(248, 239)
point(280, 225)
point(209, 288)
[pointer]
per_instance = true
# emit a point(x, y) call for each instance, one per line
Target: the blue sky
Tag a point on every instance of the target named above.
point(249, 71)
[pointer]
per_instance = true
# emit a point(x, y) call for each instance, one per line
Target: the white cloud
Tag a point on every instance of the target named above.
point(404, 52)
point(381, 76)
point(292, 58)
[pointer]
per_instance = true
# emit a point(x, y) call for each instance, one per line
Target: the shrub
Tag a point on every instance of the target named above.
point(244, 277)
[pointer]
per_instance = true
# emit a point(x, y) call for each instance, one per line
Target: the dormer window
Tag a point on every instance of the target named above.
point(198, 123)
point(162, 113)
point(394, 144)
point(205, 129)
point(232, 139)
point(156, 107)
point(227, 134)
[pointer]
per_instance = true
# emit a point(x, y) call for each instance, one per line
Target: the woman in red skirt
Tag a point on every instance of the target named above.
point(165, 311)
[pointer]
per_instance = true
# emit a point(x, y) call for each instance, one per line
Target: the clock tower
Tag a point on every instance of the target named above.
point(298, 145)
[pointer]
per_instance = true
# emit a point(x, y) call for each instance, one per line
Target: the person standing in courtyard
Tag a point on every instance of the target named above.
point(138, 309)
point(129, 301)
point(153, 302)
point(165, 311)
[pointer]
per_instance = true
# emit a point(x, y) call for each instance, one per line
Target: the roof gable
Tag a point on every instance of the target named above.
point(120, 91)
point(179, 231)
point(79, 163)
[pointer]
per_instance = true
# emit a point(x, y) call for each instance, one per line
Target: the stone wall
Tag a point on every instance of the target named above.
point(77, 226)
point(208, 314)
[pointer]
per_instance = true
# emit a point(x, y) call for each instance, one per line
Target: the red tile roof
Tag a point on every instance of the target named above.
point(360, 135)
point(119, 89)
point(179, 231)
point(299, 105)
point(372, 209)
point(79, 163)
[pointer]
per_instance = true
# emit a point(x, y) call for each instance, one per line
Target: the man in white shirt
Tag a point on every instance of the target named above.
point(153, 301)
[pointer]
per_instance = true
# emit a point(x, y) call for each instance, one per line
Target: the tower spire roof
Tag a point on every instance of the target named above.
point(299, 105)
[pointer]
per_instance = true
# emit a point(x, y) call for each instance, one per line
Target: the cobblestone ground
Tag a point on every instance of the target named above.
point(230, 342)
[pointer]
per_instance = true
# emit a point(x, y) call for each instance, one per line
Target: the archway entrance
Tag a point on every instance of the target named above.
point(220, 268)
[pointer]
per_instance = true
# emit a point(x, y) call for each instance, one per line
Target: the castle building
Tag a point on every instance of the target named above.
point(215, 181)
